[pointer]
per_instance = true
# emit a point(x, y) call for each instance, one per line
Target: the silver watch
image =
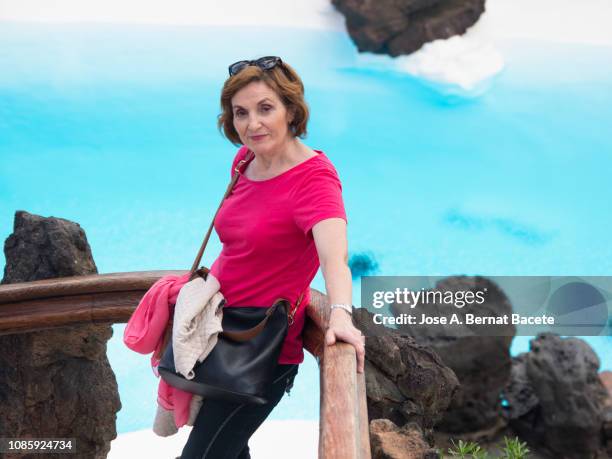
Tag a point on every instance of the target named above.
point(347, 307)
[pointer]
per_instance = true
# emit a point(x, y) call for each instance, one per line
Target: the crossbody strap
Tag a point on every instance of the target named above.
point(202, 272)
point(237, 170)
point(246, 334)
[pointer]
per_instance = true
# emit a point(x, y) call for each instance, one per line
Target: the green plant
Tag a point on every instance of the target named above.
point(514, 449)
point(467, 449)
point(480, 454)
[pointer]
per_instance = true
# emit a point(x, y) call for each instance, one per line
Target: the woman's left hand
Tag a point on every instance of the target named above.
point(341, 328)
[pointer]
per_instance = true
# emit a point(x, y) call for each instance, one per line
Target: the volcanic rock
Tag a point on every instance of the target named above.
point(56, 383)
point(398, 27)
point(570, 416)
point(479, 355)
point(405, 382)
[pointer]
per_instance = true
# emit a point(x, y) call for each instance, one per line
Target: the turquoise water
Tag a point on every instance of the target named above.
point(114, 127)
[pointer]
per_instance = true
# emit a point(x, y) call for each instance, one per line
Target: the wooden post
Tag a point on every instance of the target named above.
point(343, 427)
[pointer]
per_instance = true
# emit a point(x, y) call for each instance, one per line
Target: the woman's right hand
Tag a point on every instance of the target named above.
point(341, 328)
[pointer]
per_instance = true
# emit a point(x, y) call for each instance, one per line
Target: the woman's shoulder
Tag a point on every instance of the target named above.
point(320, 162)
point(318, 174)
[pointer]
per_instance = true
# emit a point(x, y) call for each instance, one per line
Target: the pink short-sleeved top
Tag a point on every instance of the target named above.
point(268, 249)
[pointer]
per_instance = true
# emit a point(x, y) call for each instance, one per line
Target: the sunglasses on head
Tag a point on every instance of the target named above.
point(264, 63)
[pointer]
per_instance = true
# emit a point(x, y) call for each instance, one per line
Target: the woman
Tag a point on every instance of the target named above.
point(284, 217)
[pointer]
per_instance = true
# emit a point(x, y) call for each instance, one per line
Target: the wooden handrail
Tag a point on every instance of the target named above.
point(50, 303)
point(110, 298)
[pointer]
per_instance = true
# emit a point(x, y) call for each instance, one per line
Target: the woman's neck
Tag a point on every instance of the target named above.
point(274, 163)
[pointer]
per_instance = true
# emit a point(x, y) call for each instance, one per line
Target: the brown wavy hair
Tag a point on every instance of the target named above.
point(283, 80)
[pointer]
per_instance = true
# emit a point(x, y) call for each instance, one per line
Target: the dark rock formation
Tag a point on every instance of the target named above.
point(479, 355)
point(398, 27)
point(518, 393)
point(391, 442)
point(607, 432)
point(43, 248)
point(405, 382)
point(606, 379)
point(56, 383)
point(569, 418)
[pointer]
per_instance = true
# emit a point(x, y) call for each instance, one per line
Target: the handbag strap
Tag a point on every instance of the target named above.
point(247, 159)
point(246, 335)
point(251, 333)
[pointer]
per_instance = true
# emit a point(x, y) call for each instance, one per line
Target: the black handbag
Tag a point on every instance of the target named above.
point(241, 366)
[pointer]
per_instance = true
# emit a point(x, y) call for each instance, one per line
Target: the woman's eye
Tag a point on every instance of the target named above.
point(239, 113)
point(266, 108)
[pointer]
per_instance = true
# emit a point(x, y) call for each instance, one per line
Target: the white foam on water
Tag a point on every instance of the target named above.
point(464, 63)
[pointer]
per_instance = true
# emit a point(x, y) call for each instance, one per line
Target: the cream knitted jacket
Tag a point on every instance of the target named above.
point(197, 322)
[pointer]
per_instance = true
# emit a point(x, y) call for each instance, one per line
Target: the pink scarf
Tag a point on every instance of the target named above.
point(144, 334)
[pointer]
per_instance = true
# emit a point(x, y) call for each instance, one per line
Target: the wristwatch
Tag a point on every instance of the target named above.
point(347, 307)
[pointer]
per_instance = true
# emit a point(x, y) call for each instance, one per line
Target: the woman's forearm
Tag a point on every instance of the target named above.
point(338, 282)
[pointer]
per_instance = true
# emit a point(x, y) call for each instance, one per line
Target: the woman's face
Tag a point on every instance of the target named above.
point(261, 119)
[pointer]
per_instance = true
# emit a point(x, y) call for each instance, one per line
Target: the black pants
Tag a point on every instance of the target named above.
point(223, 429)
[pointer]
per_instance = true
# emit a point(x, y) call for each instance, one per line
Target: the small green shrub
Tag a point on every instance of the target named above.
point(513, 449)
point(467, 449)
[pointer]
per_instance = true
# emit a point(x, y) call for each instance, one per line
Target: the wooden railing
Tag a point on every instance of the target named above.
point(110, 298)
